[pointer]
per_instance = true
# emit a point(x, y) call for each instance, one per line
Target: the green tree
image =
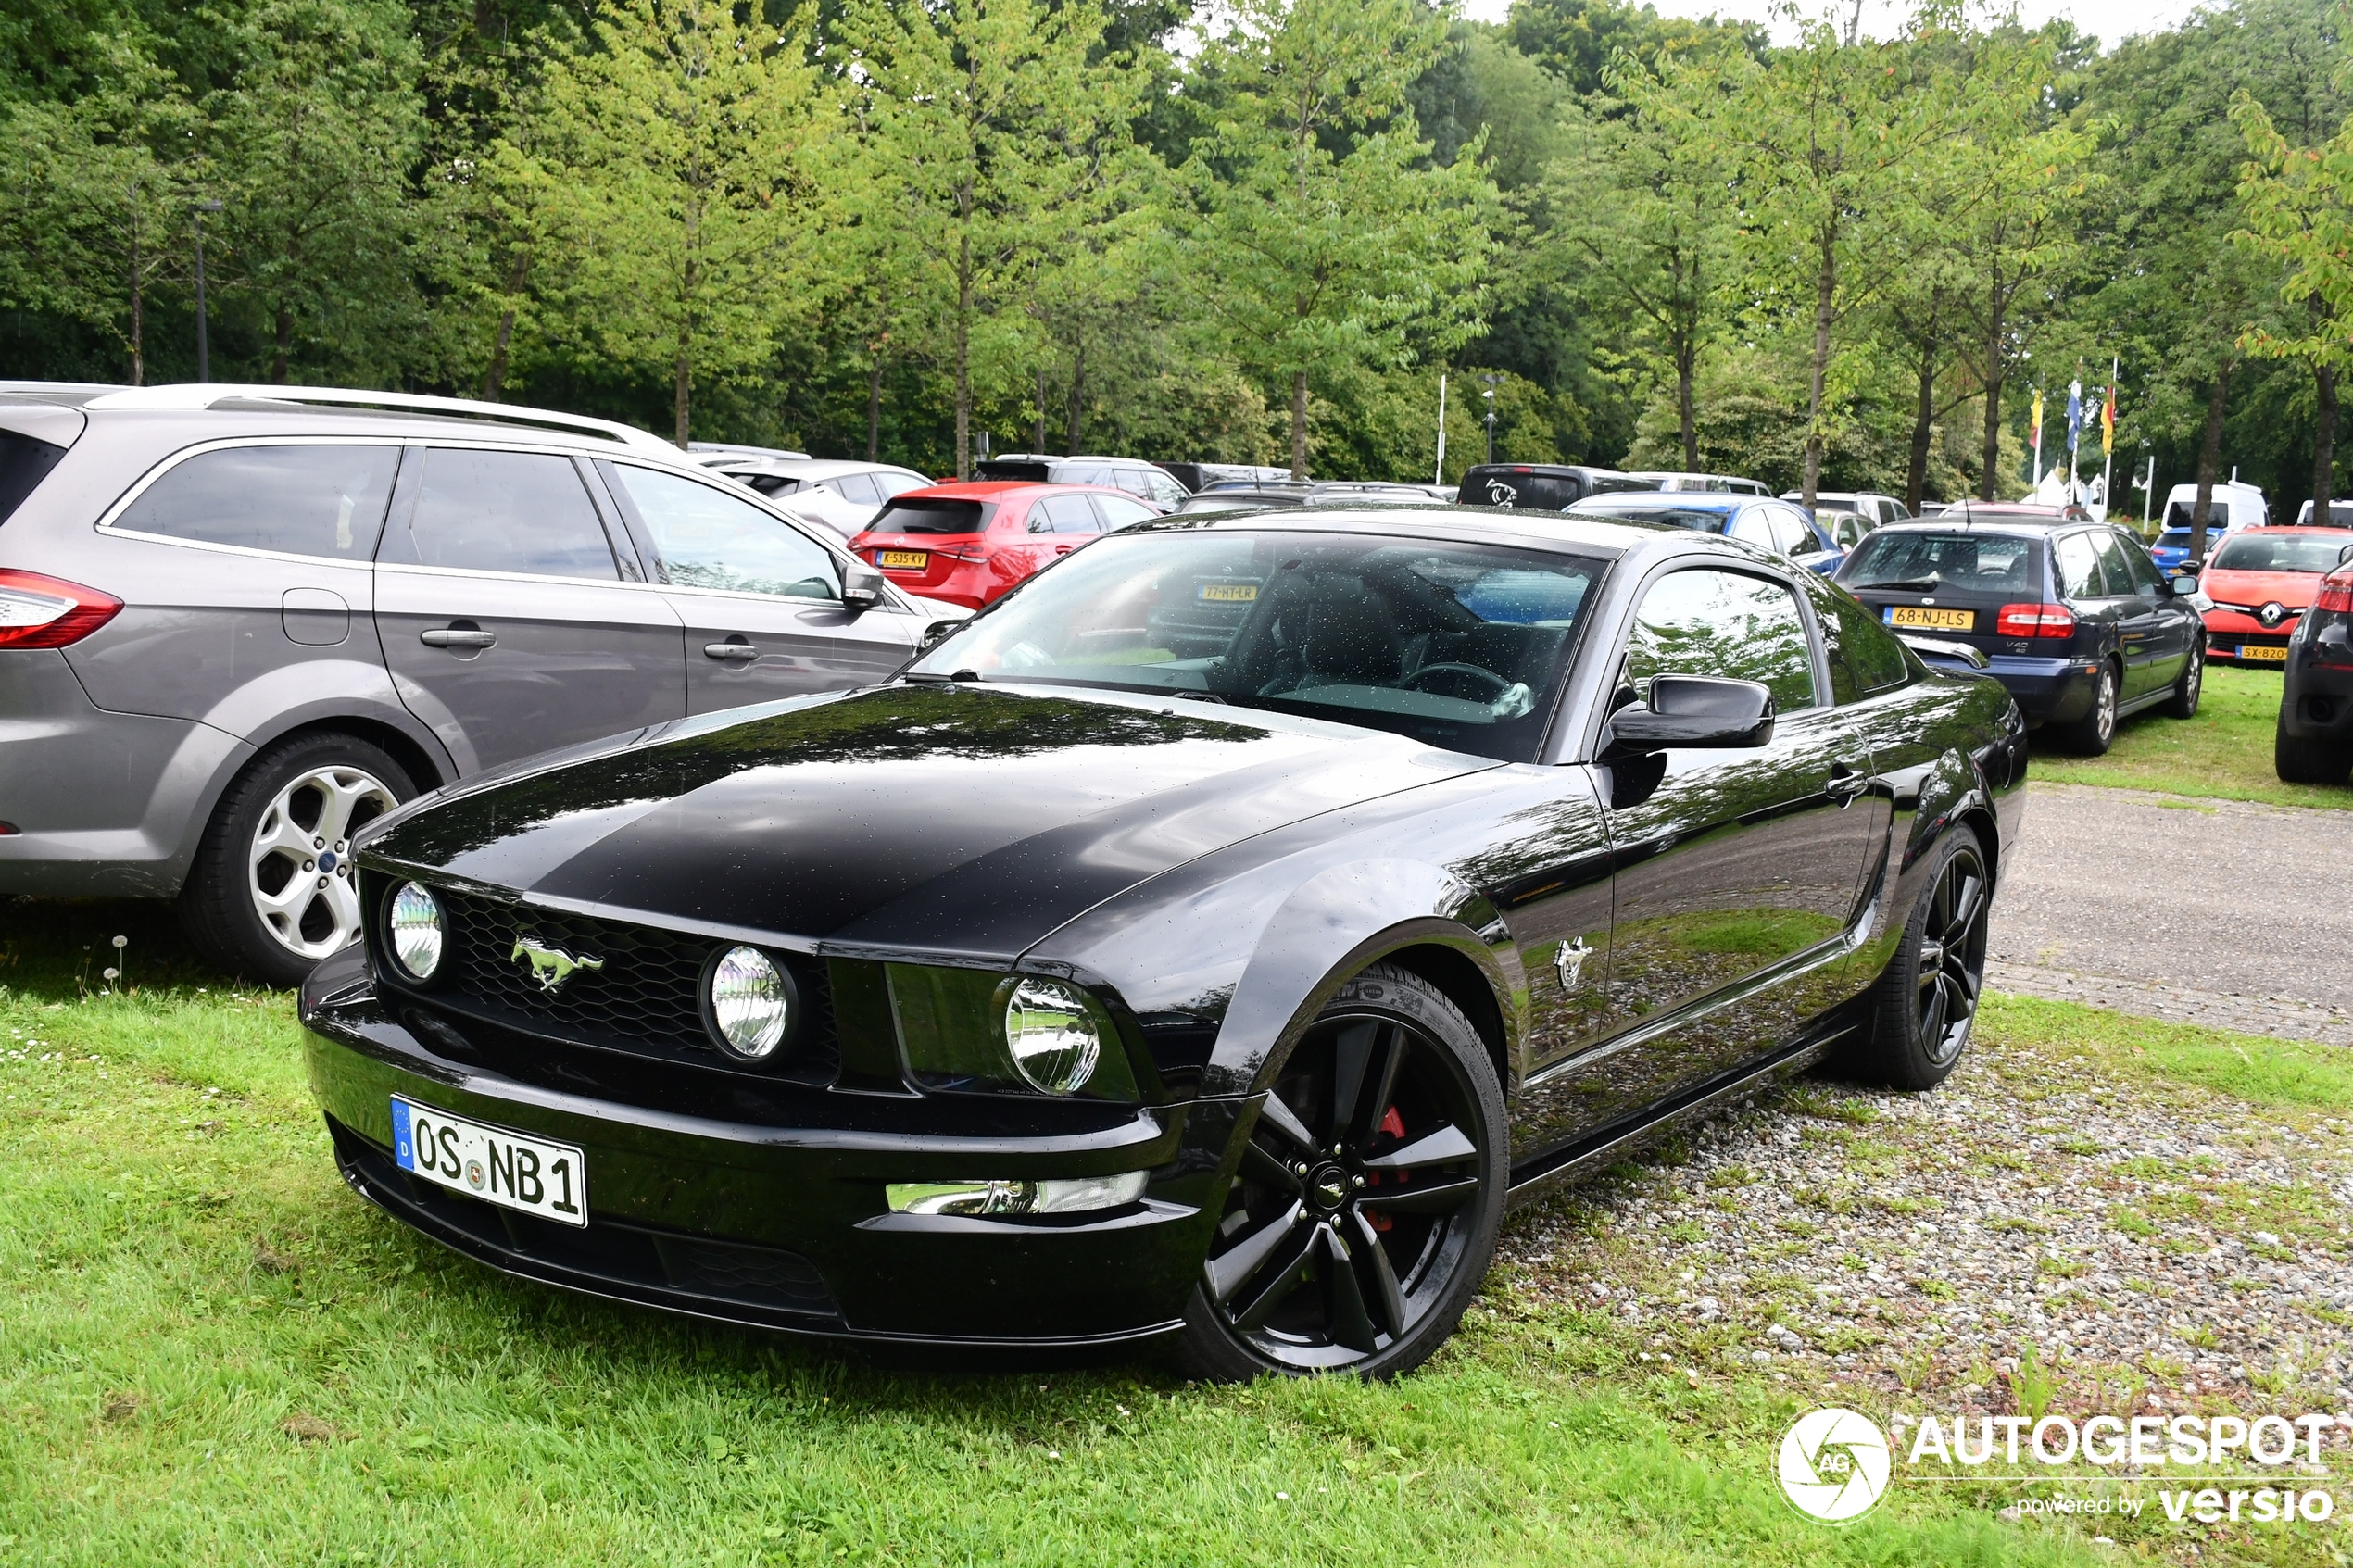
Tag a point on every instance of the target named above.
point(1321, 237)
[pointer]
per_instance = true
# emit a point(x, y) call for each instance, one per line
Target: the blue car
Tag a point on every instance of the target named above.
point(1781, 527)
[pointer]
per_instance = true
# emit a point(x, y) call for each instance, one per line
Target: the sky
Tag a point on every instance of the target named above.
point(2109, 20)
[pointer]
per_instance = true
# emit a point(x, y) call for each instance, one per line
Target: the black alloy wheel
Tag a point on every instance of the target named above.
point(2183, 704)
point(1364, 1211)
point(1929, 995)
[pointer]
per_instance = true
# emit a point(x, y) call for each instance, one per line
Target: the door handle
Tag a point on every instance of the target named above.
point(1845, 784)
point(458, 638)
point(729, 650)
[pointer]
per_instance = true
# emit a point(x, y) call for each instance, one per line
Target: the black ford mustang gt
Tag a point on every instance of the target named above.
point(1208, 941)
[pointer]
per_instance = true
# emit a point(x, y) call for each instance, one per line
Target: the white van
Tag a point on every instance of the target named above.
point(2235, 506)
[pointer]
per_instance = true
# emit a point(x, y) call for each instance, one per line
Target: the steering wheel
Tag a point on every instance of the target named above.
point(1413, 682)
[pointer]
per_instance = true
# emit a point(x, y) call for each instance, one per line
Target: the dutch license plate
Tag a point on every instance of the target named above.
point(906, 560)
point(1941, 620)
point(2263, 655)
point(1229, 593)
point(538, 1177)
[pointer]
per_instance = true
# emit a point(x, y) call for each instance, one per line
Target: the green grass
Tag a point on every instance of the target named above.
point(2224, 753)
point(210, 1351)
point(2245, 1067)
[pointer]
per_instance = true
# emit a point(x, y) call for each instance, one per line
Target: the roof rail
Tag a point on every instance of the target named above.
point(207, 395)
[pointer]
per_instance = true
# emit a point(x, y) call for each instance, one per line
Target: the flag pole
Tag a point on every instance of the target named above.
point(2107, 440)
point(1441, 477)
point(2038, 444)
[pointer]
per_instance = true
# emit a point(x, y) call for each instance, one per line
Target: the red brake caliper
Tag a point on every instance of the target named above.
point(1395, 1126)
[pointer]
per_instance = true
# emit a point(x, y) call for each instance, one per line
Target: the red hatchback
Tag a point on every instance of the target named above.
point(2260, 580)
point(971, 544)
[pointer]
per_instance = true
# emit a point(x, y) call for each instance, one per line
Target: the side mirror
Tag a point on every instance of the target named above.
point(1698, 711)
point(2185, 585)
point(862, 587)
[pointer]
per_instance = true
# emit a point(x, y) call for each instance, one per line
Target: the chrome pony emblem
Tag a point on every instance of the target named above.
point(551, 966)
point(1568, 962)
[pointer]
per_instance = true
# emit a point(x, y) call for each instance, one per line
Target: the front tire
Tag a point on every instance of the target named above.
point(1926, 1000)
point(2306, 761)
point(1365, 1209)
point(273, 891)
point(2092, 735)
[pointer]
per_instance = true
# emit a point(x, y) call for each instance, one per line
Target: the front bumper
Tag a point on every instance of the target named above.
point(786, 1227)
point(2046, 690)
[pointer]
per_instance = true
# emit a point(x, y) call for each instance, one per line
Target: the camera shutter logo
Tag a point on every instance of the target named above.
point(1834, 1464)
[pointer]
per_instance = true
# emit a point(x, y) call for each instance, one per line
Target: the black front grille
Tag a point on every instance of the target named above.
point(646, 997)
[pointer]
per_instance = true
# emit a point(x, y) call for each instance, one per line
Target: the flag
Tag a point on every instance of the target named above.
point(2035, 436)
point(2074, 414)
point(2108, 423)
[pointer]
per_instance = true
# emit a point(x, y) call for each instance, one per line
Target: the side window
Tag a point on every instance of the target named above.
point(858, 488)
point(1118, 511)
point(1751, 525)
point(1164, 488)
point(708, 539)
point(504, 512)
point(1704, 622)
point(2116, 566)
point(890, 482)
point(1792, 534)
point(1864, 655)
point(1132, 481)
point(2147, 579)
point(302, 500)
point(2079, 568)
point(1068, 514)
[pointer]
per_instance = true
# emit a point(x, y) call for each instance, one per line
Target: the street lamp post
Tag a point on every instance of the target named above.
point(204, 343)
point(1489, 396)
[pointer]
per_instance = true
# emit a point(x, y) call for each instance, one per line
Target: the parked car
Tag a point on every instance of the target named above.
point(1151, 480)
point(2073, 616)
point(2340, 516)
point(2314, 737)
point(2259, 581)
point(1231, 497)
point(843, 495)
point(1075, 992)
point(1872, 506)
point(1768, 524)
point(1197, 477)
point(2232, 506)
point(972, 544)
point(1667, 480)
point(238, 623)
point(1541, 487)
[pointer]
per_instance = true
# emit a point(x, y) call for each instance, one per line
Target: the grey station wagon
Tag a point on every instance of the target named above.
point(238, 622)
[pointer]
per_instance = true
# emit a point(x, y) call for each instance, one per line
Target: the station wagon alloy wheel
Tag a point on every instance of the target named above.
point(1365, 1205)
point(301, 877)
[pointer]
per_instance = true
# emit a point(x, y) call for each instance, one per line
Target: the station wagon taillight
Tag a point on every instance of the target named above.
point(49, 612)
point(2034, 620)
point(2336, 594)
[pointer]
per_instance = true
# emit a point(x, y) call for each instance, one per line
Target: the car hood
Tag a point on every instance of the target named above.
point(2294, 590)
point(916, 818)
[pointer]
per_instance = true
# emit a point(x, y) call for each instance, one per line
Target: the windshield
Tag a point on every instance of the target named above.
point(1653, 509)
point(2290, 552)
point(912, 514)
point(1462, 646)
point(1988, 563)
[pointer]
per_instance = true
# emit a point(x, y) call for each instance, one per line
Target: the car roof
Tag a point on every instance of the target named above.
point(1677, 500)
point(338, 409)
point(999, 489)
point(1571, 532)
point(2311, 530)
point(806, 468)
point(1985, 521)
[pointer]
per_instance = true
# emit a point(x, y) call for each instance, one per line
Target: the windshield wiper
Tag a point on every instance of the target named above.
point(1907, 584)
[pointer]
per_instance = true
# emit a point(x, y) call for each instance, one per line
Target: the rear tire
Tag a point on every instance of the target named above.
point(271, 891)
point(2183, 704)
point(2092, 735)
point(1925, 1004)
point(1364, 1212)
point(2306, 761)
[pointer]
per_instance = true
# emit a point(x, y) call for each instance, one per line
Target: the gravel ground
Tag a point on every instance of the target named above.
point(2156, 1245)
point(2223, 896)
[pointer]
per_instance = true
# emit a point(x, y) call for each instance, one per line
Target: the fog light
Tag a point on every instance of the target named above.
point(1051, 1035)
point(416, 930)
point(981, 1200)
point(750, 1003)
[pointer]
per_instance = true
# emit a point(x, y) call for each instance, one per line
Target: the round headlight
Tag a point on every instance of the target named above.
point(415, 927)
point(1053, 1036)
point(750, 1003)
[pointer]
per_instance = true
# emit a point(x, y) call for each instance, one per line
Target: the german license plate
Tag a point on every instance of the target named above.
point(538, 1177)
point(1941, 620)
point(1229, 593)
point(906, 560)
point(2262, 654)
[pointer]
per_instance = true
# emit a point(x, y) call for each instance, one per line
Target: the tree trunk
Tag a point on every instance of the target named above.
point(684, 387)
point(2210, 457)
point(873, 408)
point(963, 357)
point(1299, 426)
point(285, 346)
point(493, 379)
point(1038, 444)
point(2324, 444)
point(138, 308)
point(1825, 296)
point(1077, 412)
point(1923, 417)
point(1686, 355)
point(1989, 454)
